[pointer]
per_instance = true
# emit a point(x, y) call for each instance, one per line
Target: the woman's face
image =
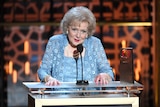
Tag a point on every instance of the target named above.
point(77, 33)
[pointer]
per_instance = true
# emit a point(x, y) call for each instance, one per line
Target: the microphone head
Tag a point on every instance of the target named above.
point(80, 48)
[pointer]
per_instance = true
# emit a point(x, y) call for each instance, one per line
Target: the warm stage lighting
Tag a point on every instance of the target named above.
point(137, 69)
point(10, 67)
point(27, 68)
point(26, 47)
point(123, 43)
point(14, 76)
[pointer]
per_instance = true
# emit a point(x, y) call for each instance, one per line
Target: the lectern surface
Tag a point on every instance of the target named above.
point(73, 85)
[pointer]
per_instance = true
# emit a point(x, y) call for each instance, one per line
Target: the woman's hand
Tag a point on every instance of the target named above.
point(102, 78)
point(50, 81)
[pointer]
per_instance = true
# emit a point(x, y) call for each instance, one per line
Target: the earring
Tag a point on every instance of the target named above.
point(67, 32)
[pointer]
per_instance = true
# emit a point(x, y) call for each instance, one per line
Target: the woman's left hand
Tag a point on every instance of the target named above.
point(102, 78)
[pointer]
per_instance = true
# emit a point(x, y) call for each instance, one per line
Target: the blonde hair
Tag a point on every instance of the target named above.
point(79, 14)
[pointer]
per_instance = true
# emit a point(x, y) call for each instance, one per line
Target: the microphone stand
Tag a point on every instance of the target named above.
point(81, 82)
point(75, 56)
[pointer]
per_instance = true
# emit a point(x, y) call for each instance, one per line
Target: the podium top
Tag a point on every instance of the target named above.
point(112, 84)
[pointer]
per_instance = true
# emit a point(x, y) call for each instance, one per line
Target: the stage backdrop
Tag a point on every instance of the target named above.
point(27, 26)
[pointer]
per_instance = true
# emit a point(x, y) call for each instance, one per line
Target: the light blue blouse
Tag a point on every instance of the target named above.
point(63, 68)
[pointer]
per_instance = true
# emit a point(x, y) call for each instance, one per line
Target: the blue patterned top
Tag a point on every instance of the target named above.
point(63, 68)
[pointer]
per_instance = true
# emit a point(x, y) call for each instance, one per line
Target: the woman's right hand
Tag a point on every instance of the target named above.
point(50, 81)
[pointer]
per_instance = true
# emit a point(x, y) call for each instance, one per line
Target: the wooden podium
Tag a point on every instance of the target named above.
point(114, 94)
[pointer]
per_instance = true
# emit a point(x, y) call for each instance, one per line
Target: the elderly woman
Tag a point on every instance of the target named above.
point(59, 63)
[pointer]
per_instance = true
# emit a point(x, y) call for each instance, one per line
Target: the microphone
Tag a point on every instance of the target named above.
point(80, 48)
point(81, 82)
